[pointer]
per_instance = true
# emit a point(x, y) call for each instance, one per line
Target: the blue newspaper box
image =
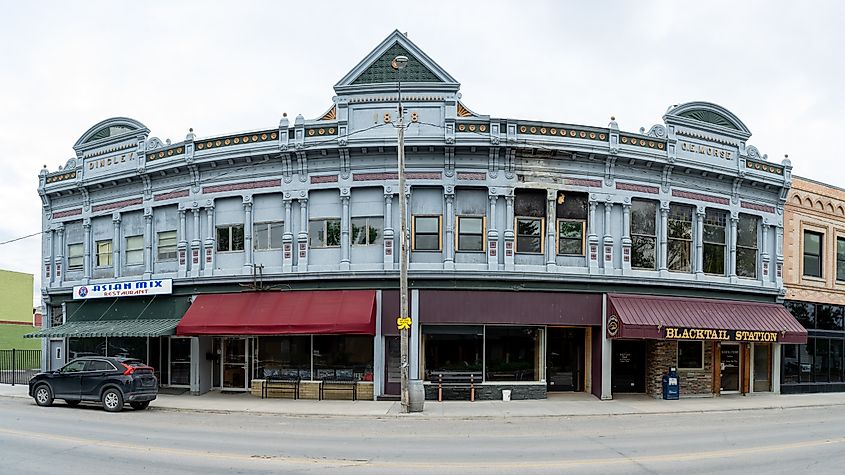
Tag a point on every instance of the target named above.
point(671, 385)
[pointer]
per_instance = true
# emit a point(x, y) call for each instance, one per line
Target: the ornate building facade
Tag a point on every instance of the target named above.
point(544, 256)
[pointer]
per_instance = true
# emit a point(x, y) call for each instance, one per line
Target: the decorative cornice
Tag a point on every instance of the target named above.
point(330, 115)
point(60, 177)
point(117, 204)
point(324, 179)
point(171, 195)
point(757, 207)
point(700, 197)
point(66, 213)
point(472, 127)
point(646, 142)
point(239, 139)
point(472, 176)
point(168, 152)
point(563, 132)
point(639, 188)
point(319, 131)
point(248, 185)
point(104, 151)
point(395, 176)
point(764, 166)
point(586, 182)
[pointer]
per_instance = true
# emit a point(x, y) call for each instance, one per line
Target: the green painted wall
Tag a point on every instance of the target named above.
point(15, 296)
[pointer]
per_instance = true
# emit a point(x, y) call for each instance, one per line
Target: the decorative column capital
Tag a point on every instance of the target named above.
point(115, 217)
point(86, 223)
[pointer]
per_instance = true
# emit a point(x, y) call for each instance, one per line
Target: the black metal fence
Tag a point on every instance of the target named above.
point(17, 366)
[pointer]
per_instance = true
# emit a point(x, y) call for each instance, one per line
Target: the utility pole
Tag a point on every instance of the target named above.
point(398, 64)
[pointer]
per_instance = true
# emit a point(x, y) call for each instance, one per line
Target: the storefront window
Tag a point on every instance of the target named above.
point(790, 363)
point(284, 356)
point(343, 357)
point(690, 355)
point(836, 354)
point(803, 312)
point(86, 347)
point(821, 366)
point(452, 348)
point(829, 317)
point(805, 360)
point(128, 347)
point(680, 238)
point(714, 241)
point(513, 353)
point(746, 246)
point(643, 234)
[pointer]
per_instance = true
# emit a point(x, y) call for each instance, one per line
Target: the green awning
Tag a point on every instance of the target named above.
point(89, 329)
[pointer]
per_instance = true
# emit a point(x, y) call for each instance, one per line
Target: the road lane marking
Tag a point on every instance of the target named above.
point(291, 460)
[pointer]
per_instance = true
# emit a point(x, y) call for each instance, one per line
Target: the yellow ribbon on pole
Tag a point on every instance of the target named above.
point(403, 323)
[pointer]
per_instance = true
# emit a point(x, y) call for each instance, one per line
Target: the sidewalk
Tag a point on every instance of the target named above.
point(557, 405)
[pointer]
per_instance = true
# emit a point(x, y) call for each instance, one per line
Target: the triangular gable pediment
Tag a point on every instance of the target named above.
point(376, 67)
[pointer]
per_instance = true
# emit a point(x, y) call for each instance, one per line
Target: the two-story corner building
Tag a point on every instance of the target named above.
point(815, 280)
point(544, 256)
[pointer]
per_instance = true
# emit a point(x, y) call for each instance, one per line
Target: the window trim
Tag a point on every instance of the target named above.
point(678, 356)
point(175, 246)
point(127, 250)
point(325, 220)
point(229, 227)
point(109, 255)
point(542, 235)
point(81, 257)
point(368, 217)
point(583, 235)
point(267, 228)
point(483, 232)
point(439, 232)
point(821, 236)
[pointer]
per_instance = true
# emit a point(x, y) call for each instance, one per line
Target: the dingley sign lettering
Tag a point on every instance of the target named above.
point(124, 289)
point(672, 333)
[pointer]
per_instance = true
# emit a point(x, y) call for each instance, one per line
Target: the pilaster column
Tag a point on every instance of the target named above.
point(60, 248)
point(115, 244)
point(732, 247)
point(592, 238)
point(148, 243)
point(182, 245)
point(47, 278)
point(449, 221)
point(765, 257)
point(663, 253)
point(492, 235)
point(248, 263)
point(509, 234)
point(86, 263)
point(626, 236)
point(551, 229)
point(389, 233)
point(698, 266)
point(608, 237)
point(345, 243)
point(209, 240)
point(196, 244)
point(302, 239)
point(287, 239)
point(779, 255)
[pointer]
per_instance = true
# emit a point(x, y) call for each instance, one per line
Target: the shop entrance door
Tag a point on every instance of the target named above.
point(235, 363)
point(628, 372)
point(392, 370)
point(729, 357)
point(762, 367)
point(565, 359)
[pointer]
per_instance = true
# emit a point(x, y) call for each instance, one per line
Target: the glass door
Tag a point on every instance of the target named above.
point(729, 357)
point(180, 361)
point(235, 363)
point(762, 367)
point(392, 366)
point(565, 359)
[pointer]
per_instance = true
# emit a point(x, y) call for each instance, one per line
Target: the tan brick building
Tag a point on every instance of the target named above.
point(814, 277)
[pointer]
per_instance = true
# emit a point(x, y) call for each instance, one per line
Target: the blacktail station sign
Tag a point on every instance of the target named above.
point(674, 333)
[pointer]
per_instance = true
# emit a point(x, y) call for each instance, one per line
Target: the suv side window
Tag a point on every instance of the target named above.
point(74, 367)
point(99, 365)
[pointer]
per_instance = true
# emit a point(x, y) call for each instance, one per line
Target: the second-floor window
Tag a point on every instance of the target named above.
point(367, 231)
point(426, 235)
point(230, 238)
point(166, 246)
point(324, 232)
point(75, 256)
point(470, 233)
point(643, 234)
point(680, 238)
point(104, 253)
point(571, 223)
point(268, 235)
point(812, 254)
point(714, 241)
point(840, 259)
point(530, 212)
point(134, 250)
point(746, 246)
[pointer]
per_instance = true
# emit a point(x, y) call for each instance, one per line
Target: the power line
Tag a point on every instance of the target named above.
point(21, 238)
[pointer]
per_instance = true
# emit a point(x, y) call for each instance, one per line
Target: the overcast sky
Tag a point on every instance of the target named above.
point(223, 67)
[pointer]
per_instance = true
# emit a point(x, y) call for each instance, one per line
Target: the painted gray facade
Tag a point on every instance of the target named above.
point(124, 182)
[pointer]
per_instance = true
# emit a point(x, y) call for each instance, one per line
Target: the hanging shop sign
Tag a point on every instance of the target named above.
point(674, 333)
point(133, 288)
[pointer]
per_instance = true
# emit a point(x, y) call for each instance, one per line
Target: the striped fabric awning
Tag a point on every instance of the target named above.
point(137, 328)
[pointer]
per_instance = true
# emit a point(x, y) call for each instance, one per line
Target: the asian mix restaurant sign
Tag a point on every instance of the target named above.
point(674, 333)
point(123, 289)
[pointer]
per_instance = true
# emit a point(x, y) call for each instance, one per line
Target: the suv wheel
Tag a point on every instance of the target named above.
point(43, 396)
point(113, 400)
point(139, 405)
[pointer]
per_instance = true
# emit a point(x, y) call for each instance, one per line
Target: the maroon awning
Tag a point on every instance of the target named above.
point(656, 317)
point(350, 312)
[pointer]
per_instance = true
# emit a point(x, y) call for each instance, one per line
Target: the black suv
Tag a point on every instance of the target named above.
point(114, 381)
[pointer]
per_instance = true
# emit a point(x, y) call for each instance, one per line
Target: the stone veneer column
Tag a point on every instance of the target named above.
point(148, 243)
point(60, 245)
point(626, 236)
point(732, 248)
point(344, 231)
point(449, 221)
point(86, 263)
point(663, 252)
point(389, 233)
point(208, 266)
point(182, 246)
point(509, 234)
point(551, 229)
point(492, 236)
point(115, 247)
point(608, 238)
point(248, 264)
point(196, 244)
point(592, 238)
point(698, 264)
point(302, 249)
point(287, 239)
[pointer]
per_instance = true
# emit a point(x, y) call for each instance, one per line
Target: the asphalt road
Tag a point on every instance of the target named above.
point(86, 440)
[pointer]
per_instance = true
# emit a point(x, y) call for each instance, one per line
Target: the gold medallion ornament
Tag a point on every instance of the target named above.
point(612, 325)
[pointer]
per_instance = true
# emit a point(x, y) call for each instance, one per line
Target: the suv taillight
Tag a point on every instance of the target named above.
point(129, 369)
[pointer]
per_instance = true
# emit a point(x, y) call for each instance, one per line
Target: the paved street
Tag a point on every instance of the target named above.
point(88, 440)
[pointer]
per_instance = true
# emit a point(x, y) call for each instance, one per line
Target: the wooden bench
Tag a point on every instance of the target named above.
point(280, 385)
point(336, 384)
point(458, 380)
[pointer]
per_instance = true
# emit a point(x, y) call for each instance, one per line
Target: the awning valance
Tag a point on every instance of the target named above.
point(113, 328)
point(682, 318)
point(281, 313)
